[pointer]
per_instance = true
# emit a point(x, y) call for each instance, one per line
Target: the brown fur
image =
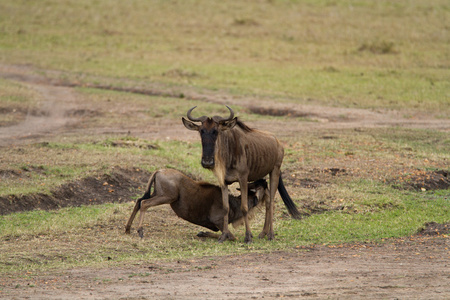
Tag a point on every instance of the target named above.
point(197, 202)
point(241, 154)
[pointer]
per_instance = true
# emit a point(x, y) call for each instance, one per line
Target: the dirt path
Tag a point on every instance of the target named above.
point(51, 117)
point(61, 99)
point(417, 267)
point(50, 121)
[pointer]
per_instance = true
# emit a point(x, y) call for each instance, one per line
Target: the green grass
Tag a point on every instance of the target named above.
point(334, 228)
point(16, 100)
point(293, 50)
point(48, 165)
point(93, 235)
point(57, 222)
point(15, 94)
point(357, 206)
point(426, 142)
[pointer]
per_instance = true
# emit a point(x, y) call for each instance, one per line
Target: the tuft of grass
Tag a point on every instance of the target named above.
point(379, 47)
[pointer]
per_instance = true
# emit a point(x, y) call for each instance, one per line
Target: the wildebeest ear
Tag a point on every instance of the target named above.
point(190, 125)
point(225, 125)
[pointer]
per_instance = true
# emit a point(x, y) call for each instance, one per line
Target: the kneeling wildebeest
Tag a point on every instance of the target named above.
point(197, 202)
point(238, 153)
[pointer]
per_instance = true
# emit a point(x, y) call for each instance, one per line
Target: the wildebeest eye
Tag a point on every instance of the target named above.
point(202, 131)
point(214, 132)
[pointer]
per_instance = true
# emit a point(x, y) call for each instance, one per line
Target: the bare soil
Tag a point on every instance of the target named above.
point(413, 267)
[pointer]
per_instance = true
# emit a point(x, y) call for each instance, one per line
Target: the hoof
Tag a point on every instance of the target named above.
point(248, 238)
point(202, 234)
point(270, 236)
point(226, 236)
point(141, 233)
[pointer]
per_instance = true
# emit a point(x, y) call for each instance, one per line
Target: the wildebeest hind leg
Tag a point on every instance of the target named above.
point(205, 234)
point(146, 204)
point(266, 227)
point(133, 215)
point(268, 224)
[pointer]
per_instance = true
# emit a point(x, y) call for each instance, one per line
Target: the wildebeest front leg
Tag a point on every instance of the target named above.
point(226, 234)
point(244, 208)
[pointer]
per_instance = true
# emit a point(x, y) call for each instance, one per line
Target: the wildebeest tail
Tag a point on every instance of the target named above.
point(290, 205)
point(147, 193)
point(137, 206)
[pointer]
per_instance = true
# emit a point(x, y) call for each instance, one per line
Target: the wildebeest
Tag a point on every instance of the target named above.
point(197, 202)
point(237, 153)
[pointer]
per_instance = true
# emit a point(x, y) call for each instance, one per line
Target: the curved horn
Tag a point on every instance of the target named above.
point(231, 113)
point(201, 119)
point(220, 119)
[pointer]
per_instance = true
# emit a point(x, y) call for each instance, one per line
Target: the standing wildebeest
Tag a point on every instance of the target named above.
point(237, 153)
point(197, 202)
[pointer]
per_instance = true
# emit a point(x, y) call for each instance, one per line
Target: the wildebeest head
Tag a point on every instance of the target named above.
point(259, 190)
point(257, 195)
point(209, 130)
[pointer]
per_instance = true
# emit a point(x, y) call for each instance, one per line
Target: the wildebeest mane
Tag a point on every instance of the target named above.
point(241, 125)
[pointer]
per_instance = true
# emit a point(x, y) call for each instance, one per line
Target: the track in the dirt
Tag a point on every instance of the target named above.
point(62, 108)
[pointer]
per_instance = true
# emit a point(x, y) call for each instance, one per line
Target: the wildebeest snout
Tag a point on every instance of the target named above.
point(208, 162)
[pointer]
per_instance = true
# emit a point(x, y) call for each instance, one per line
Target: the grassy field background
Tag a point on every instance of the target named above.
point(377, 55)
point(351, 53)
